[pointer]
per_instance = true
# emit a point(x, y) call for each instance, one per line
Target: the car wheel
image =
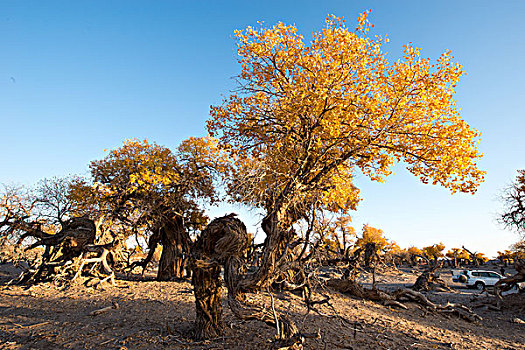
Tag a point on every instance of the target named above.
point(479, 285)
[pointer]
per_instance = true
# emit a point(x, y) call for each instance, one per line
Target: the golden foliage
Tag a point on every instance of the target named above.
point(372, 235)
point(457, 253)
point(145, 181)
point(414, 251)
point(434, 251)
point(306, 117)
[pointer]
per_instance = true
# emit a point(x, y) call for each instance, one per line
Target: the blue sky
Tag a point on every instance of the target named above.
point(78, 77)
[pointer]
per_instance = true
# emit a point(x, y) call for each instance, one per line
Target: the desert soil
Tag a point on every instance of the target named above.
point(159, 315)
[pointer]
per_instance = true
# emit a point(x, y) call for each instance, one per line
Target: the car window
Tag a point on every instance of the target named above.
point(484, 274)
point(476, 274)
point(494, 275)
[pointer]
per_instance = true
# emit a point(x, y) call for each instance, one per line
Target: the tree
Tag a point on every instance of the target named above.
point(475, 257)
point(305, 118)
point(393, 254)
point(334, 237)
point(505, 257)
point(16, 205)
point(144, 185)
point(458, 255)
point(453, 254)
point(32, 211)
point(46, 216)
point(434, 251)
point(513, 198)
point(415, 254)
point(371, 242)
point(518, 250)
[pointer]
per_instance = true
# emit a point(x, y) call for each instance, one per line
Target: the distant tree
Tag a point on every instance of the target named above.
point(475, 257)
point(458, 255)
point(505, 257)
point(513, 198)
point(454, 255)
point(415, 254)
point(336, 236)
point(481, 257)
point(518, 250)
point(371, 243)
point(16, 206)
point(394, 254)
point(434, 251)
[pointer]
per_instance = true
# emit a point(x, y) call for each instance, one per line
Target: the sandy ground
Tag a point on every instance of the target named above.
point(159, 315)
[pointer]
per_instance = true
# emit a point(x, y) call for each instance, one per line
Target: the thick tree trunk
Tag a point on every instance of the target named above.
point(208, 303)
point(207, 284)
point(175, 250)
point(224, 242)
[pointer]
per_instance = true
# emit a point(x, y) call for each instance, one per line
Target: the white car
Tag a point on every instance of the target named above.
point(479, 279)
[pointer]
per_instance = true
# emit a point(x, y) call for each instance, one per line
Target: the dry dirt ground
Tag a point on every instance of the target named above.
point(159, 315)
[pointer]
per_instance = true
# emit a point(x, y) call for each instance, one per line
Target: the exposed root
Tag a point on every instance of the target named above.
point(396, 298)
point(460, 310)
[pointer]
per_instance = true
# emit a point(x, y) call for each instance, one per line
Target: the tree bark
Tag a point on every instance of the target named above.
point(224, 242)
point(207, 284)
point(175, 249)
point(208, 301)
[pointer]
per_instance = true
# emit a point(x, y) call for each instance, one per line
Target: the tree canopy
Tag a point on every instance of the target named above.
point(305, 118)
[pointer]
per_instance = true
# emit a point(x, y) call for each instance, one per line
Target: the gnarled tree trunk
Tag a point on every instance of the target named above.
point(175, 249)
point(224, 243)
point(206, 279)
point(76, 235)
point(208, 301)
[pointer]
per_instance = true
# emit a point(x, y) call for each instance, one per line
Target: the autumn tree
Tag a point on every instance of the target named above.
point(434, 252)
point(146, 186)
point(505, 256)
point(458, 256)
point(334, 237)
point(518, 250)
point(371, 242)
point(306, 117)
point(453, 254)
point(394, 255)
point(16, 206)
point(415, 254)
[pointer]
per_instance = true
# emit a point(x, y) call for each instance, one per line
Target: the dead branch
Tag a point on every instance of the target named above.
point(115, 306)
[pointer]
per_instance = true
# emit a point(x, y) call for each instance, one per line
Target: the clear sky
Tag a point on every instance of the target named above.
point(78, 77)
